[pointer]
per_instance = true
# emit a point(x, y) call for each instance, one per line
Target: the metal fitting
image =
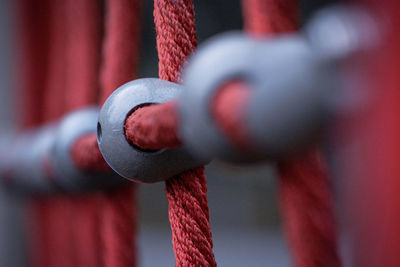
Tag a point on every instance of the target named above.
point(127, 160)
point(26, 166)
point(287, 86)
point(221, 59)
point(295, 81)
point(66, 175)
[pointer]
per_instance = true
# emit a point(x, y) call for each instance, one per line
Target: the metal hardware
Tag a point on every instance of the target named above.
point(127, 160)
point(66, 175)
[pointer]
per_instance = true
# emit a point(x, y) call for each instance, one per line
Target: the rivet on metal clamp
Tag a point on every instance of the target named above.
point(127, 160)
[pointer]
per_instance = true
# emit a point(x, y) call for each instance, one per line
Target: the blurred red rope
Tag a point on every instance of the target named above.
point(187, 192)
point(304, 188)
point(120, 59)
point(310, 226)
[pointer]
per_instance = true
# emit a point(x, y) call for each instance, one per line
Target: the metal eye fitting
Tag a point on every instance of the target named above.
point(66, 175)
point(127, 160)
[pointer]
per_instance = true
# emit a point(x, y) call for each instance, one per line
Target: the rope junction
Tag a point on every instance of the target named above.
point(228, 103)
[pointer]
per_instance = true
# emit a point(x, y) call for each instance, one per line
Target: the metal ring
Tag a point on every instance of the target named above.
point(126, 160)
point(66, 175)
point(28, 153)
point(221, 59)
point(278, 72)
point(289, 109)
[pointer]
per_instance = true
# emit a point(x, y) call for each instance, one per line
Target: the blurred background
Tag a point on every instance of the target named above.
point(242, 200)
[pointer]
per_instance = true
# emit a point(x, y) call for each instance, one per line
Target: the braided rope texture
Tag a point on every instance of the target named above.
point(50, 231)
point(83, 50)
point(120, 58)
point(72, 82)
point(186, 193)
point(154, 128)
point(87, 156)
point(118, 225)
point(306, 199)
point(270, 16)
point(306, 205)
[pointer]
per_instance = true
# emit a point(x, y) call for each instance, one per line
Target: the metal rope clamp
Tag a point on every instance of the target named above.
point(221, 59)
point(127, 160)
point(278, 72)
point(27, 168)
point(295, 82)
point(66, 175)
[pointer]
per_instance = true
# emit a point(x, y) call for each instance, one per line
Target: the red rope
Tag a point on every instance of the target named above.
point(118, 225)
point(120, 58)
point(73, 66)
point(87, 156)
point(186, 193)
point(121, 46)
point(306, 207)
point(82, 20)
point(33, 35)
point(153, 128)
point(82, 72)
point(305, 191)
point(312, 237)
point(33, 38)
point(51, 236)
point(270, 16)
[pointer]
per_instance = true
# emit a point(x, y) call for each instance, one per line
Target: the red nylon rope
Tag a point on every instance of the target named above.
point(51, 241)
point(305, 191)
point(72, 75)
point(371, 183)
point(120, 58)
point(117, 215)
point(33, 34)
point(305, 195)
point(169, 69)
point(75, 242)
point(186, 193)
point(82, 67)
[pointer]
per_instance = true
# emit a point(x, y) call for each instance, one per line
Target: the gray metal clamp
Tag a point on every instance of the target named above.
point(66, 175)
point(296, 86)
point(127, 160)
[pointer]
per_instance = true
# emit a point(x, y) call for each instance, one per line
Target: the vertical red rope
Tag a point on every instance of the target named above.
point(71, 83)
point(305, 191)
point(186, 193)
point(263, 17)
point(121, 45)
point(51, 239)
point(82, 74)
point(120, 58)
point(33, 35)
point(371, 169)
point(118, 227)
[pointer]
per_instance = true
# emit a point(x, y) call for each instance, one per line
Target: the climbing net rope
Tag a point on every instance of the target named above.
point(82, 54)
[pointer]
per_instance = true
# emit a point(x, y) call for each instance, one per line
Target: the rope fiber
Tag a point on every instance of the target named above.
point(104, 234)
point(187, 192)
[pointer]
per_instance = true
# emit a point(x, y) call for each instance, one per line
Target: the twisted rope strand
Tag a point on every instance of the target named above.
point(118, 225)
point(306, 205)
point(52, 242)
point(305, 192)
point(82, 71)
point(186, 193)
point(120, 58)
